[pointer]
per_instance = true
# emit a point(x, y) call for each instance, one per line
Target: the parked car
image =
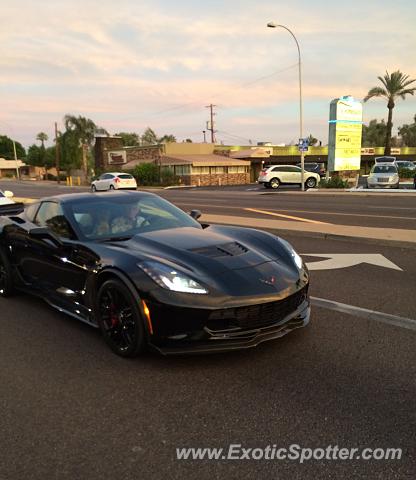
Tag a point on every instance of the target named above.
point(6, 197)
point(315, 167)
point(383, 175)
point(275, 175)
point(9, 206)
point(405, 164)
point(114, 181)
point(165, 281)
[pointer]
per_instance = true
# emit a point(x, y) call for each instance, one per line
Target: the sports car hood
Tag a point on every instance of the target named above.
point(225, 259)
point(201, 250)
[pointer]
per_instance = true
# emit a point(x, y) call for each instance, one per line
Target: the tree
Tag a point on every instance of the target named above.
point(167, 139)
point(408, 134)
point(82, 130)
point(395, 85)
point(130, 139)
point(42, 137)
point(6, 148)
point(312, 140)
point(374, 135)
point(149, 137)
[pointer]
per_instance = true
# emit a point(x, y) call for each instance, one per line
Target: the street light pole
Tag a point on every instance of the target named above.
point(302, 155)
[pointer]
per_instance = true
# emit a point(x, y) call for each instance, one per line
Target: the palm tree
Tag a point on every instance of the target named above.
point(395, 85)
point(42, 137)
point(83, 129)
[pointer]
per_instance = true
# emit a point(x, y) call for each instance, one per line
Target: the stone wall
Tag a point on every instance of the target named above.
point(142, 155)
point(102, 144)
point(215, 179)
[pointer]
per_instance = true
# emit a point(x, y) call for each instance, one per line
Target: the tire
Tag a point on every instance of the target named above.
point(119, 319)
point(111, 187)
point(93, 188)
point(311, 182)
point(266, 185)
point(274, 183)
point(6, 278)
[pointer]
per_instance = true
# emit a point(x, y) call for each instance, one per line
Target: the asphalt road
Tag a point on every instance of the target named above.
point(372, 210)
point(70, 409)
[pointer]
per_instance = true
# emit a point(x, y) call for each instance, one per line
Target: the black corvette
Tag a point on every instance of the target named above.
point(148, 274)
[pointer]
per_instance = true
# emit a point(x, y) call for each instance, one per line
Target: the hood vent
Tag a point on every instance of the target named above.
point(227, 250)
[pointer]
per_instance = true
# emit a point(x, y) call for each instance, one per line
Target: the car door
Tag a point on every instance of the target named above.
point(55, 262)
point(101, 183)
point(294, 174)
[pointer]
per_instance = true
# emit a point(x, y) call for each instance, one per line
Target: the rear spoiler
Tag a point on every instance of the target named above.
point(12, 209)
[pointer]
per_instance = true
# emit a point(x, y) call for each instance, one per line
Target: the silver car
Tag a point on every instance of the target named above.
point(383, 175)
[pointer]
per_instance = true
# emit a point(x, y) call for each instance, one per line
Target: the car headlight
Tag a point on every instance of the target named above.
point(296, 257)
point(169, 278)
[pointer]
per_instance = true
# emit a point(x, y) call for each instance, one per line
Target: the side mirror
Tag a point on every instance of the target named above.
point(43, 233)
point(195, 214)
point(8, 194)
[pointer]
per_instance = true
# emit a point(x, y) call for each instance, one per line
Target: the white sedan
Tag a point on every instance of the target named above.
point(275, 175)
point(114, 181)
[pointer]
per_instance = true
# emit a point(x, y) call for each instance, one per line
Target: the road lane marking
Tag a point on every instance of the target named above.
point(345, 260)
point(300, 219)
point(366, 313)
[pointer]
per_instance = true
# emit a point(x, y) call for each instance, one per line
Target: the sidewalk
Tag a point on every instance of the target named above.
point(379, 236)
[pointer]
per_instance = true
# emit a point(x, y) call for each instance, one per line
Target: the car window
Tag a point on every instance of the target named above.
point(50, 215)
point(103, 218)
point(30, 211)
point(1, 194)
point(384, 169)
point(279, 169)
point(125, 176)
point(294, 169)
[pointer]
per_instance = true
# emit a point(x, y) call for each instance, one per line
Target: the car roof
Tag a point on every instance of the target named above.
point(69, 198)
point(270, 166)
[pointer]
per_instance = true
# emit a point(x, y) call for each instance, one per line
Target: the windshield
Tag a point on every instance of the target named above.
point(121, 218)
point(384, 169)
point(1, 194)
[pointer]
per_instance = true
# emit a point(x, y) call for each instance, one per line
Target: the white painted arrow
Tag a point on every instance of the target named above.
point(344, 260)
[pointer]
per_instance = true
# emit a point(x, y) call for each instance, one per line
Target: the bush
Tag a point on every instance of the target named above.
point(334, 182)
point(167, 178)
point(146, 174)
point(406, 173)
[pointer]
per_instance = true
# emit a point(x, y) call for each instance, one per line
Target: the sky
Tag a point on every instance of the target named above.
point(133, 64)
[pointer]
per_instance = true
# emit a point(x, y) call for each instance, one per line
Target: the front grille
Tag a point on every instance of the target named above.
point(256, 316)
point(383, 180)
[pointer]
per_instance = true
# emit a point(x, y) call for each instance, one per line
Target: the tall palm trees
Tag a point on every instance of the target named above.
point(42, 137)
point(81, 129)
point(395, 85)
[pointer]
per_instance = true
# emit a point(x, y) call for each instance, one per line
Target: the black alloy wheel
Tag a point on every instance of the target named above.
point(275, 183)
point(311, 182)
point(6, 279)
point(119, 319)
point(111, 187)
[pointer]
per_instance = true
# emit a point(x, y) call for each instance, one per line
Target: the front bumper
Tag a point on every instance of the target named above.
point(192, 331)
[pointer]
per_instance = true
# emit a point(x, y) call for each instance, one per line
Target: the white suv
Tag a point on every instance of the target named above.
point(274, 175)
point(114, 181)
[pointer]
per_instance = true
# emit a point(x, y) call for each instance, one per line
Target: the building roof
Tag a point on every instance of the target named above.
point(201, 160)
point(5, 164)
point(261, 152)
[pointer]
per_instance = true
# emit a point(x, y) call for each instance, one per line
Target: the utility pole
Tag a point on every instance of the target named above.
point(210, 125)
point(57, 153)
point(15, 159)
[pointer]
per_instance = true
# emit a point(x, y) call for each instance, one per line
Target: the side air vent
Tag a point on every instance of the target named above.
point(227, 250)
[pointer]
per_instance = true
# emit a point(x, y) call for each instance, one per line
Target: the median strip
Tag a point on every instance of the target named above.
point(299, 219)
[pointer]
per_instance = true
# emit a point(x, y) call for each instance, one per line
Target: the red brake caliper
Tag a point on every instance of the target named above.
point(113, 316)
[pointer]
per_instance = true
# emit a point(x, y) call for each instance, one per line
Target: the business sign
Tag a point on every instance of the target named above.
point(345, 129)
point(303, 144)
point(117, 157)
